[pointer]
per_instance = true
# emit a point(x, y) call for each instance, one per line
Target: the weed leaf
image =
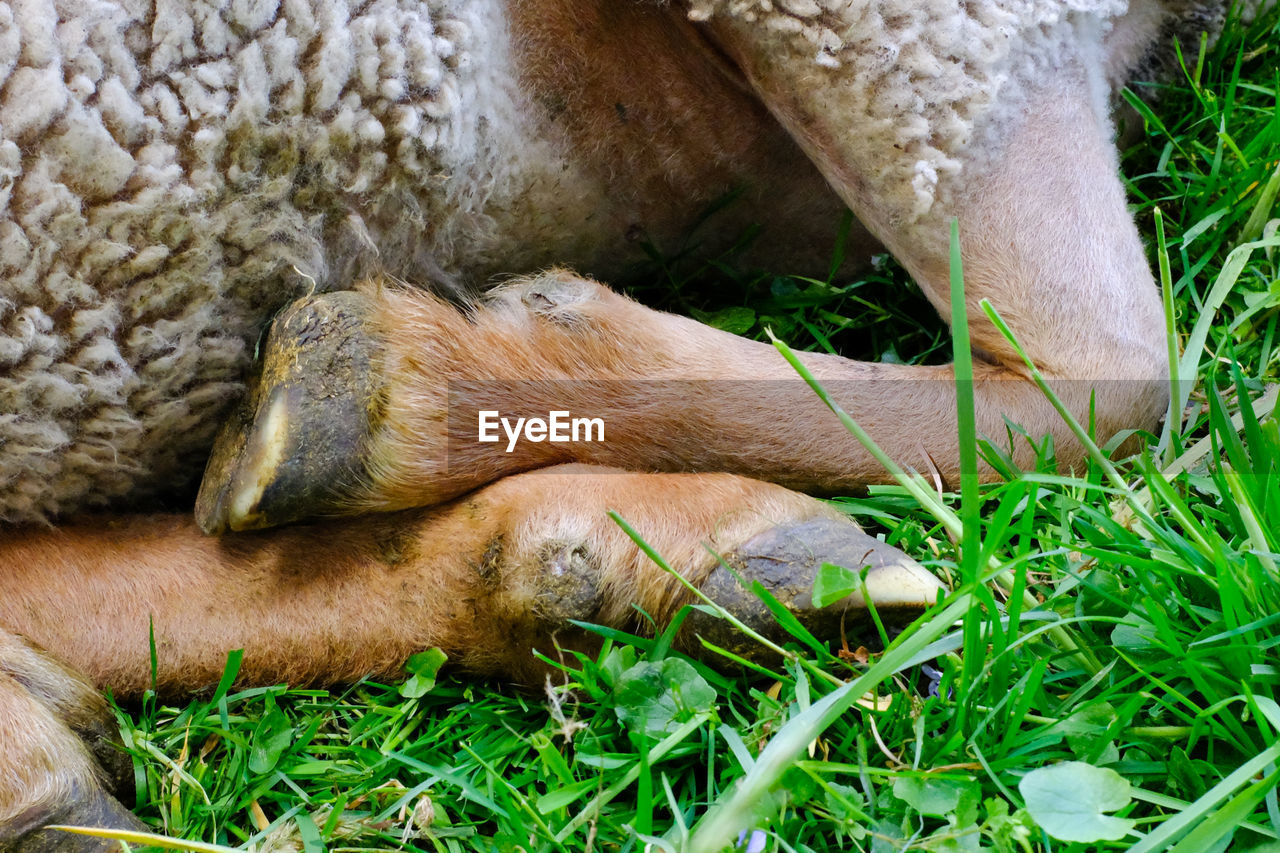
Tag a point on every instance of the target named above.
point(931, 795)
point(1070, 800)
point(832, 584)
point(422, 669)
point(659, 696)
point(270, 740)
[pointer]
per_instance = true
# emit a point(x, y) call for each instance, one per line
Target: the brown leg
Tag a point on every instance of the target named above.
point(57, 756)
point(671, 393)
point(486, 578)
point(1018, 149)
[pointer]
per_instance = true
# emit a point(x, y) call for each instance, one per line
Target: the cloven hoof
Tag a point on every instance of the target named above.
point(85, 806)
point(289, 451)
point(785, 560)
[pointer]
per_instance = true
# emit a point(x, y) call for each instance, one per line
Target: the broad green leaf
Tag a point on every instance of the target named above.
point(1135, 634)
point(846, 804)
point(931, 796)
point(737, 320)
point(270, 740)
point(422, 669)
point(1086, 732)
point(1070, 800)
point(832, 584)
point(659, 696)
point(1186, 776)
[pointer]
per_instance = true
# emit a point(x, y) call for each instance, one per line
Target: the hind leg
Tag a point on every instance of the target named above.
point(996, 121)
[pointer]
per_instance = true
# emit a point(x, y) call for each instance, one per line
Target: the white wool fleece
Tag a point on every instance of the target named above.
point(163, 170)
point(927, 79)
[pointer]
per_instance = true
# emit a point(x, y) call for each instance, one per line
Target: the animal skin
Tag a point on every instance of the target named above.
point(173, 174)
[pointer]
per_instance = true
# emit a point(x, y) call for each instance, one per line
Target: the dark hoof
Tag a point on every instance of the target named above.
point(30, 832)
point(786, 559)
point(102, 737)
point(295, 446)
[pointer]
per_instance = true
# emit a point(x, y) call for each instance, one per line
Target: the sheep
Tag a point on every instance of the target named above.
point(173, 173)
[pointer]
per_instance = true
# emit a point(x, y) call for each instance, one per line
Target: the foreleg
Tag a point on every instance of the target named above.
point(487, 578)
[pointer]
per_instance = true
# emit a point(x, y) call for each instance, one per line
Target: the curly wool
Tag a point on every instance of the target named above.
point(927, 79)
point(164, 170)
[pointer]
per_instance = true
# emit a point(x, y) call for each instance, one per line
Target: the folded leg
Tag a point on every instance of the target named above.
point(58, 760)
point(486, 577)
point(992, 116)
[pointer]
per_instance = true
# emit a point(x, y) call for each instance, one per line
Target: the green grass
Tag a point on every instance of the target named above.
point(1112, 644)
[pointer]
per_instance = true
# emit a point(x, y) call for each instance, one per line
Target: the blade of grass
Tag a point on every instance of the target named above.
point(970, 501)
point(1202, 808)
point(1196, 453)
point(1262, 209)
point(146, 839)
point(1222, 287)
point(971, 542)
point(733, 811)
point(919, 489)
point(1173, 418)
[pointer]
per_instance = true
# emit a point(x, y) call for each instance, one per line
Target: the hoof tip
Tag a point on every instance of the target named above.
point(786, 560)
point(297, 443)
